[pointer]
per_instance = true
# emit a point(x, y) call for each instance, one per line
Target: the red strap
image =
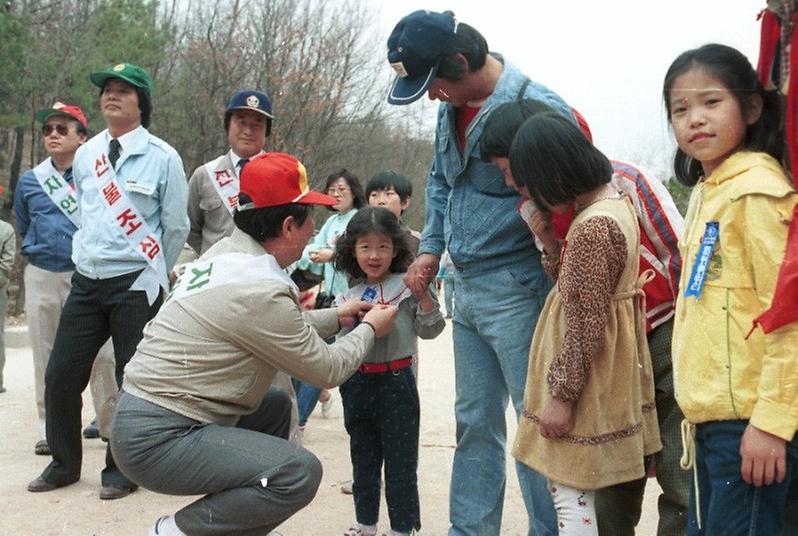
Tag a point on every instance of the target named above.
point(768, 44)
point(791, 114)
point(784, 307)
point(378, 368)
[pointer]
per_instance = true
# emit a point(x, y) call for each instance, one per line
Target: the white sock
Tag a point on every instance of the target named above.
point(166, 526)
point(371, 530)
point(42, 428)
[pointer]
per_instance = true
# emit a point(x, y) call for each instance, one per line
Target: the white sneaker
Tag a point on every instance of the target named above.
point(165, 526)
point(327, 406)
point(361, 530)
point(299, 435)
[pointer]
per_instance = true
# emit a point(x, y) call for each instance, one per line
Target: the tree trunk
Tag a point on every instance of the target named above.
point(16, 164)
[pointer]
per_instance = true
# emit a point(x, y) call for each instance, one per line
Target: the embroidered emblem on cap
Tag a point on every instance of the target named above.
point(253, 101)
point(400, 69)
point(119, 67)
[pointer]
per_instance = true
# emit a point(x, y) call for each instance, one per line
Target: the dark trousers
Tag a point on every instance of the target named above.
point(791, 514)
point(381, 415)
point(618, 507)
point(729, 506)
point(94, 310)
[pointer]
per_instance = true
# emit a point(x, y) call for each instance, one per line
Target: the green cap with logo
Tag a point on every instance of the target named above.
point(132, 74)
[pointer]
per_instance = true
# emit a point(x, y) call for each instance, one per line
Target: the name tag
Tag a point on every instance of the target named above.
point(698, 276)
point(134, 186)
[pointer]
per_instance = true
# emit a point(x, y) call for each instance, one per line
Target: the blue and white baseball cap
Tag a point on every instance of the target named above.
point(416, 47)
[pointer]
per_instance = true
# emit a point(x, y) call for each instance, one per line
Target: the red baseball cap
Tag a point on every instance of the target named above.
point(59, 108)
point(274, 179)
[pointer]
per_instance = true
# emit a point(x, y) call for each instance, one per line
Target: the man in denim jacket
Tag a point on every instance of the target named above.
point(500, 283)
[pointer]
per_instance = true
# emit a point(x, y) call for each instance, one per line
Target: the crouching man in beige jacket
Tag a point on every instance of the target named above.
point(197, 415)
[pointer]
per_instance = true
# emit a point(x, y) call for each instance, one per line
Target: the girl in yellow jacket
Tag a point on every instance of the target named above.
point(738, 390)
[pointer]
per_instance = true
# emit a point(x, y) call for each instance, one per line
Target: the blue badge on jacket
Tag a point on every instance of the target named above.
point(698, 276)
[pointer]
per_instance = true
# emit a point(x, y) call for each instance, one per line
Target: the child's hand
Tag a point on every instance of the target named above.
point(425, 301)
point(540, 223)
point(351, 311)
point(556, 419)
point(764, 457)
point(321, 256)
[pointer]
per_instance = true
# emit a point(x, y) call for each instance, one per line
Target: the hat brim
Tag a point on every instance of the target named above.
point(313, 197)
point(406, 90)
point(43, 115)
point(250, 109)
point(99, 80)
point(47, 113)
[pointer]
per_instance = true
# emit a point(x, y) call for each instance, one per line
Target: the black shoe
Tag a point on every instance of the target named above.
point(110, 493)
point(91, 431)
point(42, 448)
point(40, 485)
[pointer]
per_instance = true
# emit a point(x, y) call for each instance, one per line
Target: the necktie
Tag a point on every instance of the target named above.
point(241, 163)
point(113, 152)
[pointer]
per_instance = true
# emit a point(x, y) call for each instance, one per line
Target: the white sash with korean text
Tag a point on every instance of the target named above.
point(225, 269)
point(132, 226)
point(225, 182)
point(60, 192)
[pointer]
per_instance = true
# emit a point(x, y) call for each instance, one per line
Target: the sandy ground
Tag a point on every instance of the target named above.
point(77, 511)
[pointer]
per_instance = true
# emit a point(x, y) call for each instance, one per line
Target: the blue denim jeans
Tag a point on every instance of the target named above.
point(494, 320)
point(448, 294)
point(307, 396)
point(729, 506)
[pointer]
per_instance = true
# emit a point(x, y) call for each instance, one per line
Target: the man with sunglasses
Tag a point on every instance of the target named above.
point(47, 216)
point(132, 193)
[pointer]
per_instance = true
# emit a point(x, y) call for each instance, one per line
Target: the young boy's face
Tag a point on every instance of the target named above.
point(389, 199)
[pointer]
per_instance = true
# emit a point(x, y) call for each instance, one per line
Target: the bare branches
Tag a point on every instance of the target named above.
point(320, 61)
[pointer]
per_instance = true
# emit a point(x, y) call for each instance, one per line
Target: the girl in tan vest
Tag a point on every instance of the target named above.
point(589, 414)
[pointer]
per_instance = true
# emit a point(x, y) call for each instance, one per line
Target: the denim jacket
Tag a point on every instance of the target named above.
point(45, 231)
point(469, 210)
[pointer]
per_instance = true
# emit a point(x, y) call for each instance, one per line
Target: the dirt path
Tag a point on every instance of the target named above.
point(77, 511)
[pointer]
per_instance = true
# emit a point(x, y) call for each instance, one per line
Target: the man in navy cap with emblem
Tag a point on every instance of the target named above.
point(213, 188)
point(132, 193)
point(501, 284)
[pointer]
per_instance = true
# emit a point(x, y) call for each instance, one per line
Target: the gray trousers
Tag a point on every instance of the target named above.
point(45, 294)
point(252, 477)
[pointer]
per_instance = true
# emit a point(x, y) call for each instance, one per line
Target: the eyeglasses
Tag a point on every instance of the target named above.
point(340, 190)
point(62, 130)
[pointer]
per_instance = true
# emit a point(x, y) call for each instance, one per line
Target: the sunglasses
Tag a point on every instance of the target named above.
point(62, 130)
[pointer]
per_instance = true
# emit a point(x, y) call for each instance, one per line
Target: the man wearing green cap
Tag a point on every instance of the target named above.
point(132, 193)
point(47, 215)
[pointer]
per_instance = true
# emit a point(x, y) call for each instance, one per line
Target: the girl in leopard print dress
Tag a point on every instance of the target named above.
point(589, 416)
